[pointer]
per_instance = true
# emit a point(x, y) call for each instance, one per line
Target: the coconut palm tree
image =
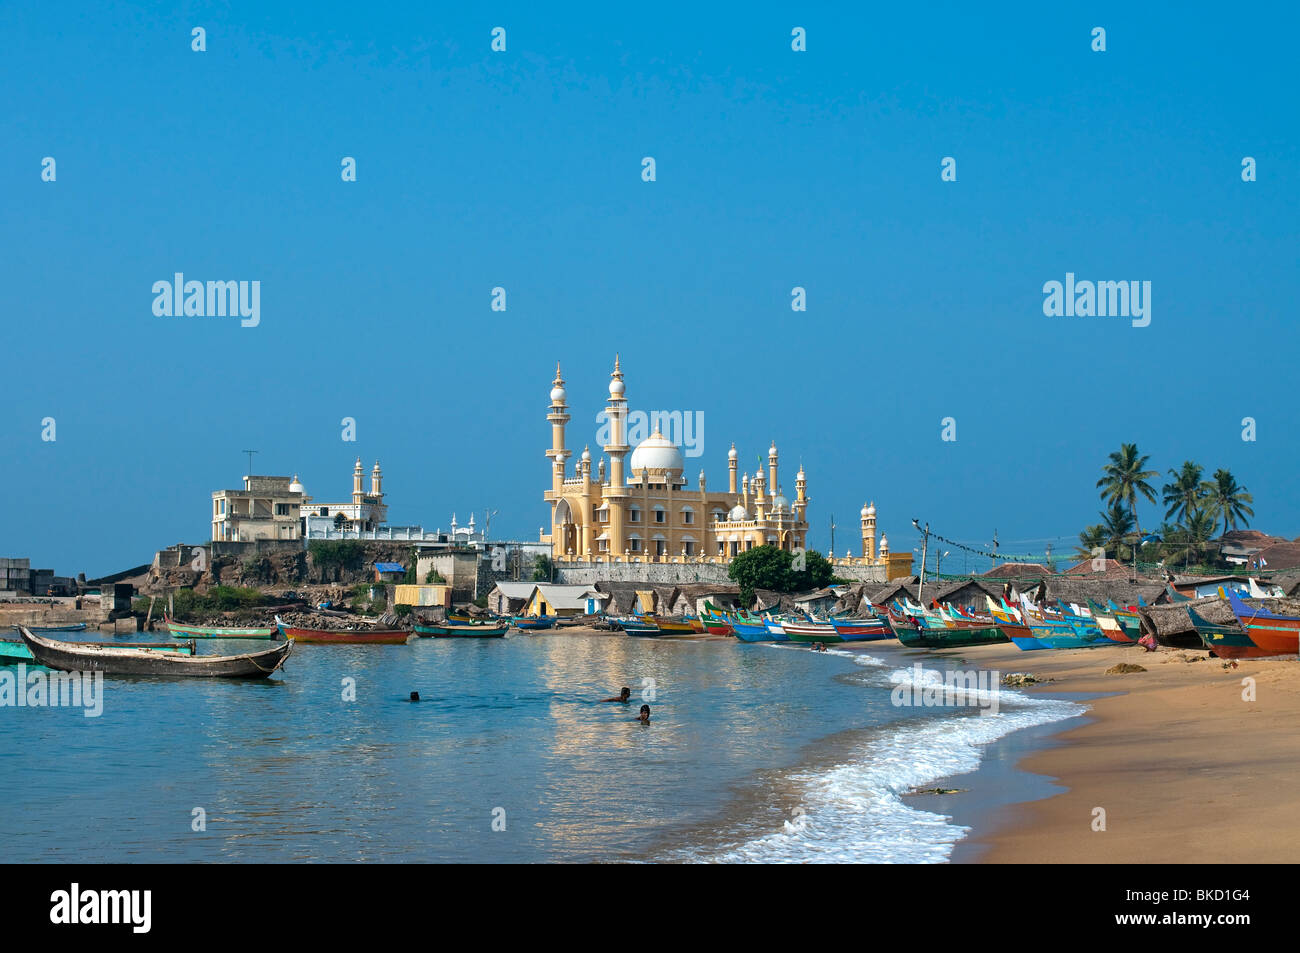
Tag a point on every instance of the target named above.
point(1090, 540)
point(1185, 492)
point(1225, 498)
point(1125, 478)
point(1190, 541)
point(1116, 529)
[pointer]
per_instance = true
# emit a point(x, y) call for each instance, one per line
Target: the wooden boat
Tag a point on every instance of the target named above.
point(534, 622)
point(806, 632)
point(344, 636)
point(13, 651)
point(669, 626)
point(181, 630)
point(167, 661)
point(68, 627)
point(1225, 641)
point(750, 633)
point(862, 630)
point(950, 638)
point(1272, 633)
point(637, 625)
point(461, 631)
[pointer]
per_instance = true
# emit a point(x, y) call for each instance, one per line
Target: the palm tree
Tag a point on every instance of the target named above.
point(1116, 527)
point(1090, 540)
point(1125, 479)
point(1185, 492)
point(1225, 498)
point(1190, 541)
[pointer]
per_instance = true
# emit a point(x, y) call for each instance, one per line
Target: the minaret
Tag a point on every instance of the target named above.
point(617, 448)
point(760, 502)
point(357, 475)
point(800, 494)
point(884, 548)
point(731, 469)
point(771, 468)
point(376, 482)
point(869, 532)
point(744, 491)
point(559, 416)
point(584, 525)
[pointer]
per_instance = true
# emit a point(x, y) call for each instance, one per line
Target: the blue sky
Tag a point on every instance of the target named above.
point(522, 169)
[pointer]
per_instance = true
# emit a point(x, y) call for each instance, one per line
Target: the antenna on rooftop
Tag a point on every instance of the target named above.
point(250, 459)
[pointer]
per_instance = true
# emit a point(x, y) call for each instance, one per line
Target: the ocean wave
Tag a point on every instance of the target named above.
point(855, 813)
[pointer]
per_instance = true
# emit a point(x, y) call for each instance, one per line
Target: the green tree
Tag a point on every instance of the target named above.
point(816, 573)
point(542, 569)
point(1189, 542)
point(1092, 538)
point(1117, 530)
point(763, 567)
point(1224, 498)
point(1184, 493)
point(1125, 478)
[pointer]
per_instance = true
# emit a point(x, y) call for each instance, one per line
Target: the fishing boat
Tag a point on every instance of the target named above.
point(476, 631)
point(1225, 641)
point(167, 661)
point(862, 630)
point(67, 627)
point(182, 630)
point(949, 638)
point(638, 627)
point(747, 632)
point(534, 622)
point(674, 627)
point(811, 632)
point(344, 636)
point(1274, 634)
point(13, 651)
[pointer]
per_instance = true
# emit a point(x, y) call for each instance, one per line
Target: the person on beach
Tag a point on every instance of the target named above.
point(644, 717)
point(624, 696)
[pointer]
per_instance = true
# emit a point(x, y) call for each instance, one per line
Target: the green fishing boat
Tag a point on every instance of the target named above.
point(180, 630)
point(1225, 641)
point(950, 638)
point(14, 651)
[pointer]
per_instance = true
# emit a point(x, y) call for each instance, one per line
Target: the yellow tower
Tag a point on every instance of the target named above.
point(731, 469)
point(615, 492)
point(357, 474)
point(376, 482)
point(771, 469)
point(558, 417)
point(869, 532)
point(800, 494)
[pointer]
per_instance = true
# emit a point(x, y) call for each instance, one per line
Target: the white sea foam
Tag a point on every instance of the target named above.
point(854, 812)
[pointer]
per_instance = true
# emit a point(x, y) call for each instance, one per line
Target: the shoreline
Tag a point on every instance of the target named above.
point(1185, 769)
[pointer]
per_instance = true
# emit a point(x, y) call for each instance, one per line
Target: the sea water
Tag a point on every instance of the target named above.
point(753, 753)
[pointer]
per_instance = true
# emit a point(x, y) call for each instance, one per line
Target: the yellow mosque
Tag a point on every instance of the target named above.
point(642, 509)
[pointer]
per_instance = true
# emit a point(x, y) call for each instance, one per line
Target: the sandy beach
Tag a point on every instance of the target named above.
point(1186, 769)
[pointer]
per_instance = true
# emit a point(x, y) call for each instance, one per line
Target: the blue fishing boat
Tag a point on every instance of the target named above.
point(748, 632)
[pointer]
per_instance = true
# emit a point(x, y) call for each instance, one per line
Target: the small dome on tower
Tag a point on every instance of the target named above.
point(863, 512)
point(870, 510)
point(295, 486)
point(772, 452)
point(558, 394)
point(586, 454)
point(731, 454)
point(737, 513)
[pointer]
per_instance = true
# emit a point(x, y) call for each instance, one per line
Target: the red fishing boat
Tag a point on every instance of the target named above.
point(344, 636)
point(1273, 634)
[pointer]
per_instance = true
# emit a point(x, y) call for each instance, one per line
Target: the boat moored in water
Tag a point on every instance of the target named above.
point(164, 661)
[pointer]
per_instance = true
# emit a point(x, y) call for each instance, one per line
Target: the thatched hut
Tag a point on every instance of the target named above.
point(1172, 626)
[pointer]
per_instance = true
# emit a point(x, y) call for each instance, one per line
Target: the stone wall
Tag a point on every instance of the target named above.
point(586, 574)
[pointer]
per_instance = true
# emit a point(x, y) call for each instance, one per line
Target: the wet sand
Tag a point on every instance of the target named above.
point(1185, 768)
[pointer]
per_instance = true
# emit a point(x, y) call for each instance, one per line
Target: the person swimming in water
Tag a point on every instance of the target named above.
point(644, 717)
point(624, 696)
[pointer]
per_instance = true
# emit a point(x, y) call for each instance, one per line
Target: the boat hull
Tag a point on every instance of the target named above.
point(460, 631)
point(180, 630)
point(345, 637)
point(951, 638)
point(167, 663)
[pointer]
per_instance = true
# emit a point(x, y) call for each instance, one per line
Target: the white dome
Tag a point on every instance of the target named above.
point(779, 502)
point(557, 394)
point(863, 512)
point(737, 513)
point(870, 510)
point(586, 455)
point(295, 486)
point(731, 454)
point(616, 388)
point(657, 452)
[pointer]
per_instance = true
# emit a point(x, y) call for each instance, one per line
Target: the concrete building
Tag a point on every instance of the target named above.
point(268, 507)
